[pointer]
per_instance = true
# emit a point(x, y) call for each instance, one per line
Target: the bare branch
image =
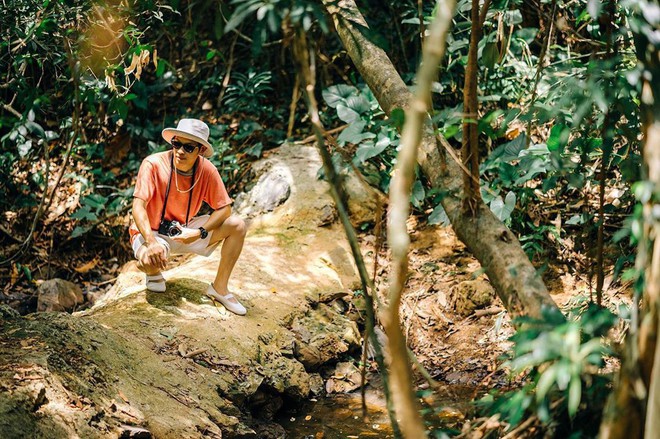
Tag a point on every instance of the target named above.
point(412, 425)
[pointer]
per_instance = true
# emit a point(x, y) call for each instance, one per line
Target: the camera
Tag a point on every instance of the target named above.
point(169, 228)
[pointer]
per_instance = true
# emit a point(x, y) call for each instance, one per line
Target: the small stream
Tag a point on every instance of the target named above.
point(340, 416)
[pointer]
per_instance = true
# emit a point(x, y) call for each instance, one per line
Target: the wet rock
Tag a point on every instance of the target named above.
point(316, 384)
point(265, 405)
point(269, 431)
point(470, 295)
point(59, 295)
point(323, 334)
point(346, 378)
point(287, 376)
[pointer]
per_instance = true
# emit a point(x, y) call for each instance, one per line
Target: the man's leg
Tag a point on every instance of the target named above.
point(232, 231)
point(155, 281)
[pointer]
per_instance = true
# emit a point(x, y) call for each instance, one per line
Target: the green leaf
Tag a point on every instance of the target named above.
point(418, 194)
point(574, 395)
point(513, 17)
point(255, 150)
point(490, 55)
point(439, 216)
point(35, 129)
point(347, 114)
point(397, 118)
point(368, 150)
point(338, 94)
point(576, 180)
point(508, 151)
point(354, 133)
point(575, 220)
point(118, 106)
point(24, 148)
point(558, 137)
point(545, 382)
point(534, 167)
point(84, 213)
point(527, 34)
point(240, 14)
point(78, 231)
point(359, 104)
point(160, 70)
point(593, 7)
point(95, 201)
point(504, 208)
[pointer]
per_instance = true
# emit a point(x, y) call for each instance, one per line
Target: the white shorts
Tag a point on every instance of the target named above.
point(199, 247)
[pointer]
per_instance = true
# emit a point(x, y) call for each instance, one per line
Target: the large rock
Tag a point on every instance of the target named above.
point(174, 363)
point(272, 189)
point(59, 295)
point(288, 191)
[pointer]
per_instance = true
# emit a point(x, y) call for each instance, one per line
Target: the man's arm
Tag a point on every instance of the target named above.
point(215, 220)
point(155, 253)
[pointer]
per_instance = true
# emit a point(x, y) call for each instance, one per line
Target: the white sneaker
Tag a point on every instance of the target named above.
point(226, 300)
point(156, 283)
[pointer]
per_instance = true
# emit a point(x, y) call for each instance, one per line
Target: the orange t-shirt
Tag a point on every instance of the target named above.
point(151, 186)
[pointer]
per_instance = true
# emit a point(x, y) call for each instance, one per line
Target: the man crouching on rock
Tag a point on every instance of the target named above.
point(169, 191)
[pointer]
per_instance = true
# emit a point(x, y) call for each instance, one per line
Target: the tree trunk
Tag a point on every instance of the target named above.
point(632, 411)
point(470, 148)
point(498, 250)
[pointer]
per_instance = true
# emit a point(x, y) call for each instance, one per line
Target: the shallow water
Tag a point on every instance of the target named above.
point(339, 417)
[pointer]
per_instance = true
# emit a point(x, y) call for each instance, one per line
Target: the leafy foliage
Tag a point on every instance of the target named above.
point(248, 93)
point(561, 360)
point(369, 138)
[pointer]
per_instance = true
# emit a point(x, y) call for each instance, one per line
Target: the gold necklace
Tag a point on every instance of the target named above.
point(176, 182)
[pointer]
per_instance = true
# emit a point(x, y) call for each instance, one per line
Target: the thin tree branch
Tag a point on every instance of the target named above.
point(306, 67)
point(406, 405)
point(11, 109)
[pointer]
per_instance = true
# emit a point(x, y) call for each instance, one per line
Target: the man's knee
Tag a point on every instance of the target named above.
point(143, 265)
point(237, 225)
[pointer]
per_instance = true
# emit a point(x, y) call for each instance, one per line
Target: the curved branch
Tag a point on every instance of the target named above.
point(411, 422)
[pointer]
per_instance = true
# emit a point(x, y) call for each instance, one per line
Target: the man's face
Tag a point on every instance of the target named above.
point(185, 153)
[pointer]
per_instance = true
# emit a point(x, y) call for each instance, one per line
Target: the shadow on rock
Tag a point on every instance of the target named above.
point(177, 290)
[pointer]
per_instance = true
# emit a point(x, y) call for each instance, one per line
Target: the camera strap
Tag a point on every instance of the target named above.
point(192, 179)
point(167, 191)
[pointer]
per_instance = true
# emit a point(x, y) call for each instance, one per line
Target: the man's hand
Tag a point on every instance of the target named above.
point(187, 235)
point(155, 255)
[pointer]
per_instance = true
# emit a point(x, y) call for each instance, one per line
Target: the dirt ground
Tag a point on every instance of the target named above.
point(457, 349)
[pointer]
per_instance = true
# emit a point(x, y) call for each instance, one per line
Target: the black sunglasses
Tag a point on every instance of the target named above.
point(187, 147)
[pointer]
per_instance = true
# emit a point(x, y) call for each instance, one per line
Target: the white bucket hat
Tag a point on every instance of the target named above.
point(191, 129)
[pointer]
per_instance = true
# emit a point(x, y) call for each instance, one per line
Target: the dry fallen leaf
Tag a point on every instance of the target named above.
point(84, 268)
